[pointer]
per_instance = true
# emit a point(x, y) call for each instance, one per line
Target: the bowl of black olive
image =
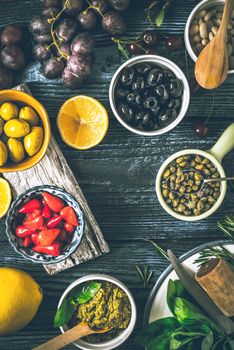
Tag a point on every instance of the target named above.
point(149, 95)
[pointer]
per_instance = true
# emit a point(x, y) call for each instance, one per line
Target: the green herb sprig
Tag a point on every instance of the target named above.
point(144, 274)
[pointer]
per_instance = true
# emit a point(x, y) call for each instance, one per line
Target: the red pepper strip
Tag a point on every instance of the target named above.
point(34, 238)
point(30, 206)
point(69, 228)
point(34, 223)
point(27, 242)
point(54, 221)
point(53, 250)
point(22, 231)
point(69, 215)
point(47, 237)
point(53, 202)
point(46, 212)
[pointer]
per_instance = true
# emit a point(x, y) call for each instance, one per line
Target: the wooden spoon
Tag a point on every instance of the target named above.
point(79, 331)
point(211, 68)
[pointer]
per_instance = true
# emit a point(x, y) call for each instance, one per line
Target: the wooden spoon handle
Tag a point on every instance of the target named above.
point(77, 332)
point(228, 8)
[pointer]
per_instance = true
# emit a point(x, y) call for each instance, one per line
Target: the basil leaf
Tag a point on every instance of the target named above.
point(63, 314)
point(87, 292)
point(174, 289)
point(160, 17)
point(207, 342)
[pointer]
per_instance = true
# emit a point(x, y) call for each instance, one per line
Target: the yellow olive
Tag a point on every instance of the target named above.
point(16, 128)
point(33, 141)
point(3, 154)
point(1, 126)
point(15, 150)
point(29, 115)
point(8, 111)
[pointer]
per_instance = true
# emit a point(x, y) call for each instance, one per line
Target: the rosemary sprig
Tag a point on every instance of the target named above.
point(227, 226)
point(158, 249)
point(144, 273)
point(215, 252)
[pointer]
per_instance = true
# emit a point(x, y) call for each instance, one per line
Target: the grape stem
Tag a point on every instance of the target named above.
point(94, 8)
point(52, 22)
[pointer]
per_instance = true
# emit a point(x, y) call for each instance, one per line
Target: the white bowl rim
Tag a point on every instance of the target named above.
point(168, 64)
point(122, 337)
point(217, 204)
point(201, 5)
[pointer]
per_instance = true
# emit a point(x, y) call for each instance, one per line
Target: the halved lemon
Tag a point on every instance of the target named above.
point(5, 197)
point(82, 122)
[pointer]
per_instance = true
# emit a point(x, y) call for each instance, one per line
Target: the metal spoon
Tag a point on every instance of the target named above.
point(79, 331)
point(203, 181)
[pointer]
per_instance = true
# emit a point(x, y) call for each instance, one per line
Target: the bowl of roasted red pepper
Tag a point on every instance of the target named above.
point(45, 224)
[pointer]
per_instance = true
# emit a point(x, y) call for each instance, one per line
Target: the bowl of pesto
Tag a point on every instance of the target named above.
point(103, 302)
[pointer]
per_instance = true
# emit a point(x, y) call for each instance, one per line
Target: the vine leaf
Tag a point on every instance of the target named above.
point(160, 17)
point(122, 50)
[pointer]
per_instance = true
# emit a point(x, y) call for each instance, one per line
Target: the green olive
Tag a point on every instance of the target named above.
point(8, 111)
point(3, 154)
point(29, 115)
point(1, 126)
point(16, 128)
point(15, 150)
point(33, 141)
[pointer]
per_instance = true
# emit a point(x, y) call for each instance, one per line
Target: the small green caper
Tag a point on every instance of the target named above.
point(172, 169)
point(182, 189)
point(181, 208)
point(211, 199)
point(199, 166)
point(175, 202)
point(183, 164)
point(180, 159)
point(195, 188)
point(206, 172)
point(200, 205)
point(171, 195)
point(205, 161)
point(197, 176)
point(215, 175)
point(172, 185)
point(198, 159)
point(196, 212)
point(165, 193)
point(166, 174)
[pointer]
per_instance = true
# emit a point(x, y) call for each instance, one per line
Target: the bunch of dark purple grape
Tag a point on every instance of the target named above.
point(11, 54)
point(63, 43)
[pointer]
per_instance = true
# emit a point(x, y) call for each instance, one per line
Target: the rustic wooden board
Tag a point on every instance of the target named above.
point(54, 170)
point(117, 177)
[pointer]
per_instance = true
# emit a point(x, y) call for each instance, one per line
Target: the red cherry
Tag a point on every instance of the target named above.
point(174, 42)
point(135, 49)
point(200, 129)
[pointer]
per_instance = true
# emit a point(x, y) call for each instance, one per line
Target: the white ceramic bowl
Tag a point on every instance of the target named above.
point(122, 337)
point(164, 63)
point(224, 145)
point(201, 5)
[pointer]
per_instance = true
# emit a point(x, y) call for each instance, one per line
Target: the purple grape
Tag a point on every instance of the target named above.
point(79, 66)
point(101, 6)
point(12, 57)
point(87, 19)
point(65, 48)
point(70, 80)
point(6, 78)
point(119, 5)
point(82, 44)
point(41, 52)
point(73, 7)
point(39, 25)
point(50, 12)
point(11, 35)
point(66, 29)
point(114, 24)
point(52, 68)
point(43, 39)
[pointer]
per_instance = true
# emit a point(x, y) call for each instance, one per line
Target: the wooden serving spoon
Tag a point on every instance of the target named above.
point(79, 331)
point(211, 68)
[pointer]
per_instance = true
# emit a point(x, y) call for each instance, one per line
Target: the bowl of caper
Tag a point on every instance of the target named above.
point(180, 185)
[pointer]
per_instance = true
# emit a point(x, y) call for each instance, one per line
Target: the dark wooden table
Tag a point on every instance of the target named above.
point(118, 176)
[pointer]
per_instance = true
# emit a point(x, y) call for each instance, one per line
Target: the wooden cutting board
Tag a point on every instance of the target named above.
point(54, 170)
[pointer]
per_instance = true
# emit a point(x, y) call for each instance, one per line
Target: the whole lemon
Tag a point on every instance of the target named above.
point(20, 298)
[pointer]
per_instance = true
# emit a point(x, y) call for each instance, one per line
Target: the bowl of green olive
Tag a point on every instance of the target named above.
point(179, 182)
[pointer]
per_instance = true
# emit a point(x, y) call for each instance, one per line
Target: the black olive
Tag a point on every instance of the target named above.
point(127, 76)
point(138, 84)
point(147, 122)
point(126, 113)
point(167, 116)
point(121, 93)
point(175, 88)
point(134, 99)
point(143, 68)
point(154, 77)
point(139, 116)
point(174, 103)
point(151, 102)
point(155, 112)
point(162, 93)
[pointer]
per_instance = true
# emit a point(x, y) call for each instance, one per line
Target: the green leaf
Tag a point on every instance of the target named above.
point(160, 17)
point(156, 335)
point(87, 292)
point(122, 50)
point(63, 314)
point(174, 289)
point(207, 342)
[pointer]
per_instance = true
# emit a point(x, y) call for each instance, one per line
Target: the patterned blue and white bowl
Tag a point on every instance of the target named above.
point(13, 218)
